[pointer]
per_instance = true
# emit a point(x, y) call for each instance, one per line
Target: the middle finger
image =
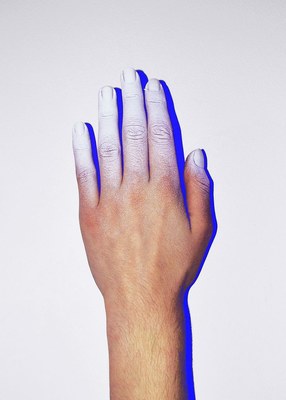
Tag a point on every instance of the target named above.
point(134, 128)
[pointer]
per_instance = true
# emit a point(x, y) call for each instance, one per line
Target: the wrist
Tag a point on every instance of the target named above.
point(139, 312)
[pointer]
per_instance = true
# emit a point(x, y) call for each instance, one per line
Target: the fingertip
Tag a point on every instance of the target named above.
point(196, 159)
point(79, 128)
point(128, 75)
point(196, 174)
point(80, 136)
point(106, 93)
point(153, 85)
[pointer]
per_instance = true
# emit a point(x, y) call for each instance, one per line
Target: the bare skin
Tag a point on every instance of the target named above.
point(142, 249)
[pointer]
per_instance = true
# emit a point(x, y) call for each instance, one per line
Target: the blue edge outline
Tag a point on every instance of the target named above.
point(181, 162)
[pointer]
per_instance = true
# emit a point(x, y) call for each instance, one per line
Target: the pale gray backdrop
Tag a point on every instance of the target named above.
point(225, 64)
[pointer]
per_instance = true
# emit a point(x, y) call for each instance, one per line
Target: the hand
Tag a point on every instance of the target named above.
point(142, 249)
point(137, 236)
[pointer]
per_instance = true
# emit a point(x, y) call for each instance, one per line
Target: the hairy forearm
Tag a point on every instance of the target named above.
point(146, 352)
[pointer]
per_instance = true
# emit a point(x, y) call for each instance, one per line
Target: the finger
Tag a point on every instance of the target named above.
point(108, 140)
point(162, 155)
point(198, 194)
point(134, 128)
point(84, 166)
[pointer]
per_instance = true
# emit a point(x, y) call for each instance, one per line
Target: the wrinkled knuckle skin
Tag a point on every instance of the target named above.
point(155, 98)
point(108, 150)
point(203, 184)
point(160, 132)
point(132, 95)
point(106, 115)
point(84, 175)
point(135, 132)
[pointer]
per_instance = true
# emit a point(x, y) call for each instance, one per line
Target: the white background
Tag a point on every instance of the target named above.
point(225, 63)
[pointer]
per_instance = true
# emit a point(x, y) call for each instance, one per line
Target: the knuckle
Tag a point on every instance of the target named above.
point(135, 196)
point(135, 132)
point(108, 150)
point(85, 174)
point(155, 98)
point(87, 219)
point(160, 132)
point(167, 185)
point(105, 115)
point(203, 183)
point(206, 228)
point(132, 95)
point(165, 193)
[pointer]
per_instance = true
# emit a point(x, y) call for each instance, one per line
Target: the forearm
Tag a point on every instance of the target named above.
point(146, 353)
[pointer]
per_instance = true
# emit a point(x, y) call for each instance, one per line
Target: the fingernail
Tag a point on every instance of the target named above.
point(153, 85)
point(198, 158)
point(79, 128)
point(107, 92)
point(129, 75)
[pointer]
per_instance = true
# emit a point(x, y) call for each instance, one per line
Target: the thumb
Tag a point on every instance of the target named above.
point(198, 192)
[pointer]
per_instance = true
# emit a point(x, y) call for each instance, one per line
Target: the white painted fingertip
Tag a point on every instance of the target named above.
point(79, 128)
point(107, 93)
point(153, 85)
point(198, 158)
point(129, 75)
point(80, 136)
